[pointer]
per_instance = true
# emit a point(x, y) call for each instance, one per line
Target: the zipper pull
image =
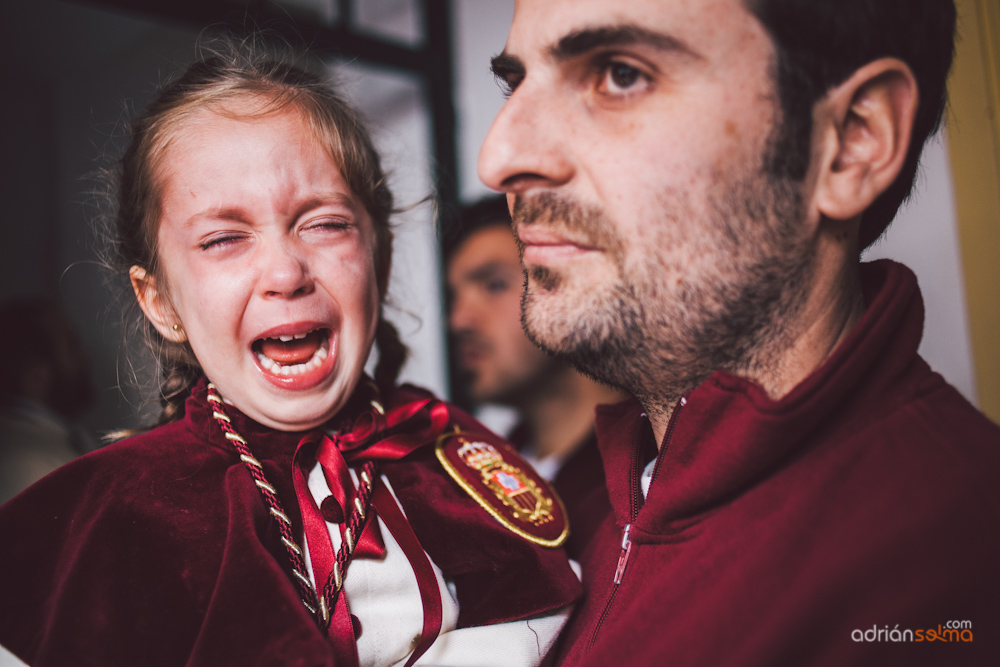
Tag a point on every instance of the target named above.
point(623, 558)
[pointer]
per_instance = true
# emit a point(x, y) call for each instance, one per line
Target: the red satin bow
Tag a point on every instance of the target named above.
point(362, 443)
point(374, 436)
point(403, 422)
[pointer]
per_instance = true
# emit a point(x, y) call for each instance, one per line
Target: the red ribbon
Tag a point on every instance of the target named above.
point(374, 436)
point(338, 478)
point(359, 444)
point(430, 593)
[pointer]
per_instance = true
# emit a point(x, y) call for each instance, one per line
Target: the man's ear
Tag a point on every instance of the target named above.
point(155, 306)
point(863, 127)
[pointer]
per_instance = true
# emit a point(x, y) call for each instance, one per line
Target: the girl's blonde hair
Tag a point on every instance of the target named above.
point(231, 71)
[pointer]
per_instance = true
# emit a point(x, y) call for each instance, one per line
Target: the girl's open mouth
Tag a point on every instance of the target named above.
point(293, 360)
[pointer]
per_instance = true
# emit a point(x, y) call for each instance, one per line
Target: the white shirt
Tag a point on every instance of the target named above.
point(647, 478)
point(384, 595)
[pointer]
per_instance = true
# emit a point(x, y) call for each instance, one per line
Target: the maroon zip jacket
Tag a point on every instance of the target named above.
point(158, 550)
point(860, 509)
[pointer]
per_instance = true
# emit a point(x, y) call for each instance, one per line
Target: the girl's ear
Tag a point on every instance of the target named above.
point(864, 127)
point(155, 306)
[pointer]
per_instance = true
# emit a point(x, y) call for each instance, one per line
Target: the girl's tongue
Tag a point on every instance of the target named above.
point(299, 350)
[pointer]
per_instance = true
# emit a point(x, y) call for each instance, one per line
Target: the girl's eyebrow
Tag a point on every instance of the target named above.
point(333, 197)
point(232, 213)
point(238, 214)
point(327, 198)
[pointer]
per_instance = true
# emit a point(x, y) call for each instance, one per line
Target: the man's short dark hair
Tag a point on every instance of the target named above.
point(820, 43)
point(487, 212)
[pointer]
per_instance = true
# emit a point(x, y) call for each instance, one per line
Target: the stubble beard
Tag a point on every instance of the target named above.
point(657, 331)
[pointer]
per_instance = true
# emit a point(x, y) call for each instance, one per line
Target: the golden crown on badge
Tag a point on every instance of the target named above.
point(508, 483)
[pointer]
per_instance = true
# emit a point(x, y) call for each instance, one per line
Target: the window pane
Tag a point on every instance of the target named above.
point(397, 20)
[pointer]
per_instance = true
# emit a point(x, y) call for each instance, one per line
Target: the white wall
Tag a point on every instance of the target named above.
point(924, 236)
point(480, 32)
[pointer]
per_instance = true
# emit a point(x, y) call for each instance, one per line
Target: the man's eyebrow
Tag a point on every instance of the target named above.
point(505, 66)
point(489, 271)
point(580, 42)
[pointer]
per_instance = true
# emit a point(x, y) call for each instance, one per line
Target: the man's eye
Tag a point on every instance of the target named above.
point(622, 75)
point(496, 286)
point(619, 78)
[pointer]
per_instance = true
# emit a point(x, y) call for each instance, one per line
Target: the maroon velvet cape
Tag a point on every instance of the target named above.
point(158, 550)
point(867, 498)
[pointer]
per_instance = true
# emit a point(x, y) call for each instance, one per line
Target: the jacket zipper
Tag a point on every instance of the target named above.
point(666, 439)
point(633, 513)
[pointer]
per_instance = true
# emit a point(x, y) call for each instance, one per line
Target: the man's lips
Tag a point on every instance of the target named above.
point(545, 246)
point(471, 352)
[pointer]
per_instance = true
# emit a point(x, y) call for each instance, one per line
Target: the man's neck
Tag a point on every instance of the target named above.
point(832, 307)
point(561, 415)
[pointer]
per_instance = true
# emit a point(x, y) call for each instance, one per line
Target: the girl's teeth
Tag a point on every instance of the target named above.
point(265, 361)
point(272, 366)
point(286, 338)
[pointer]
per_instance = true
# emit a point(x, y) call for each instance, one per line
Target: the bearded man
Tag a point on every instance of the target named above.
point(691, 185)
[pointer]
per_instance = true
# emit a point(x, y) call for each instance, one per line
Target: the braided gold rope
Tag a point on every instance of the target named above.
point(307, 592)
point(318, 604)
point(355, 526)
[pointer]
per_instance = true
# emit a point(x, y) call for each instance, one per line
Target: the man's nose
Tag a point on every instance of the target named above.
point(461, 316)
point(526, 146)
point(285, 271)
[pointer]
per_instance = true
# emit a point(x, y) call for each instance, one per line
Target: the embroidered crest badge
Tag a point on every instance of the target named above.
point(506, 486)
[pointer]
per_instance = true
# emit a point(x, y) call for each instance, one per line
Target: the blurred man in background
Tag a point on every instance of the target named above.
point(499, 365)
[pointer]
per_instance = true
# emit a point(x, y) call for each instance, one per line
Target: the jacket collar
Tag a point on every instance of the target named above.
point(729, 434)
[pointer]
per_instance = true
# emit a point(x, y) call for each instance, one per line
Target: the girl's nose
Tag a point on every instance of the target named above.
point(285, 273)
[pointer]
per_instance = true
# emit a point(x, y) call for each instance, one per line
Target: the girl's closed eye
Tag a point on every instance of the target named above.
point(329, 224)
point(221, 241)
